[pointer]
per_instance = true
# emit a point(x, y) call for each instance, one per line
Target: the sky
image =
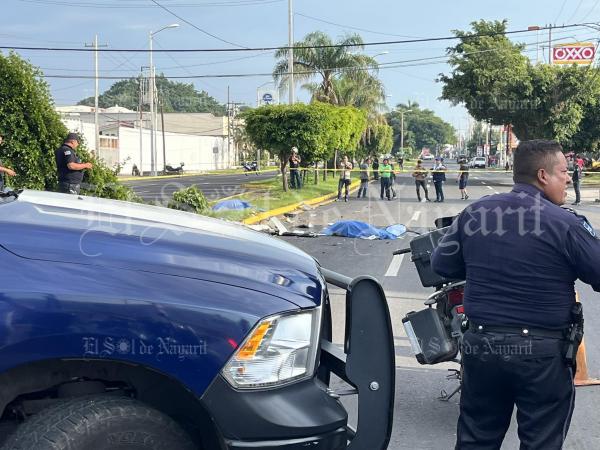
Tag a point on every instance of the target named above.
point(230, 24)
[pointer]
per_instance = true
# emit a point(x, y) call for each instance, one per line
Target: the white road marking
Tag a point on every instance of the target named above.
point(476, 178)
point(415, 216)
point(394, 266)
point(490, 188)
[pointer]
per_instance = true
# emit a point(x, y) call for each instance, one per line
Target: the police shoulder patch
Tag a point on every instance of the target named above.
point(589, 228)
point(68, 152)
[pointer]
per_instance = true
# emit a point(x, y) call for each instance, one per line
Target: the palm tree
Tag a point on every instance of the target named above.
point(318, 55)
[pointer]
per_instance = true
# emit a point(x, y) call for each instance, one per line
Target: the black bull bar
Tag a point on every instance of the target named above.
point(367, 360)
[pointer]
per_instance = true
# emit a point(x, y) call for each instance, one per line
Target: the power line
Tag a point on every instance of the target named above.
point(354, 28)
point(385, 65)
point(196, 27)
point(561, 10)
point(120, 4)
point(388, 65)
point(576, 10)
point(259, 49)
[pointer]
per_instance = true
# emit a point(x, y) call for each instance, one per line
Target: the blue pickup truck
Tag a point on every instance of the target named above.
point(128, 326)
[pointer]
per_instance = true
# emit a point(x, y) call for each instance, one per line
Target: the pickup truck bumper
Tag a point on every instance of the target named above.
point(308, 414)
point(298, 416)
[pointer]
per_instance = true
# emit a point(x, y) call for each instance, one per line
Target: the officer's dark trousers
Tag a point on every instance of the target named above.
point(576, 186)
point(501, 371)
point(68, 188)
point(385, 188)
point(439, 190)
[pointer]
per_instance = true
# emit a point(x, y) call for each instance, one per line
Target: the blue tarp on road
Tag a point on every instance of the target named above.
point(356, 229)
point(234, 204)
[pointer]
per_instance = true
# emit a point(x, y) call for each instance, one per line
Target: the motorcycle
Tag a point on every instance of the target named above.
point(250, 167)
point(435, 333)
point(170, 170)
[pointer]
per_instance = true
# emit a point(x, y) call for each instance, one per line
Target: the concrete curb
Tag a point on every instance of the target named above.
point(317, 201)
point(188, 174)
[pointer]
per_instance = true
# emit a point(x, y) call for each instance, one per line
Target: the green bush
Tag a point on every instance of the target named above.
point(32, 131)
point(189, 199)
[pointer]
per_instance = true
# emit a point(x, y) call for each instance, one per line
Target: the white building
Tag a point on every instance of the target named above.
point(199, 140)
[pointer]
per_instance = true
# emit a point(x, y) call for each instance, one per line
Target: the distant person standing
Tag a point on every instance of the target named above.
point(364, 178)
point(376, 169)
point(576, 177)
point(392, 180)
point(439, 176)
point(295, 182)
point(4, 170)
point(420, 176)
point(69, 166)
point(463, 178)
point(344, 181)
point(401, 162)
point(385, 180)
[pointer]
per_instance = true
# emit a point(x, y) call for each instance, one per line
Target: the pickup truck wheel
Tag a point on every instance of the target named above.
point(99, 423)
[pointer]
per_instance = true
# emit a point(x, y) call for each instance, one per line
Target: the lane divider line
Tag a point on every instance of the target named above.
point(415, 216)
point(394, 266)
point(490, 188)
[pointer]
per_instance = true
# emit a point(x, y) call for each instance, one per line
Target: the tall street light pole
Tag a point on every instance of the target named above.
point(402, 128)
point(96, 94)
point(153, 155)
point(291, 52)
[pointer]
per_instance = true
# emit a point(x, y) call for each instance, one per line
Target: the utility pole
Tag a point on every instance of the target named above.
point(291, 52)
point(402, 129)
point(141, 110)
point(550, 44)
point(152, 124)
point(228, 125)
point(96, 94)
point(162, 126)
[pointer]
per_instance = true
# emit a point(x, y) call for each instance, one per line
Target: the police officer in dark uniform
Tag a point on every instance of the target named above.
point(520, 253)
point(70, 168)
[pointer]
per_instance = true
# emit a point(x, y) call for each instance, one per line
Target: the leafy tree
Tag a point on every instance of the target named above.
point(316, 129)
point(494, 80)
point(380, 141)
point(490, 74)
point(315, 59)
point(33, 130)
point(175, 97)
point(422, 128)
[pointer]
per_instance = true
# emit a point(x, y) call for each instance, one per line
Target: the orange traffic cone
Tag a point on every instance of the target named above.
point(582, 377)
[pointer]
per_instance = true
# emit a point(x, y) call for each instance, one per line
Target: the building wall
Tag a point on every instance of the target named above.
point(198, 153)
point(85, 130)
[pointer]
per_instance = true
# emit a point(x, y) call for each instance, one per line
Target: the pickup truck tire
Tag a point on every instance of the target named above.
point(99, 423)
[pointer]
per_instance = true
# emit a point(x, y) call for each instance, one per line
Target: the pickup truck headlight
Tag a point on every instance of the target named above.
point(279, 350)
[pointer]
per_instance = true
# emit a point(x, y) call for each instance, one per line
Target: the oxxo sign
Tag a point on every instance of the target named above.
point(578, 53)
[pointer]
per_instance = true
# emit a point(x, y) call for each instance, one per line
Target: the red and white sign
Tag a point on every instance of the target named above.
point(577, 53)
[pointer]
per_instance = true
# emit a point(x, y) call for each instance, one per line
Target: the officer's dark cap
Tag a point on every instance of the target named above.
point(72, 137)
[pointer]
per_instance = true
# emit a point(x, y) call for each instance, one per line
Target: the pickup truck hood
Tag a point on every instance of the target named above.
point(93, 231)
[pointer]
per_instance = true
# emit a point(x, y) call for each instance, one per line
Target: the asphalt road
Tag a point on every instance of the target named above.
point(160, 191)
point(421, 420)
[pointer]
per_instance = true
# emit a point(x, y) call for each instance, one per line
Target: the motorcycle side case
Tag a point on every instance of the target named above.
point(421, 248)
point(428, 337)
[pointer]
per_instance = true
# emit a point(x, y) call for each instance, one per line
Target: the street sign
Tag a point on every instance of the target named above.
point(267, 98)
point(576, 53)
